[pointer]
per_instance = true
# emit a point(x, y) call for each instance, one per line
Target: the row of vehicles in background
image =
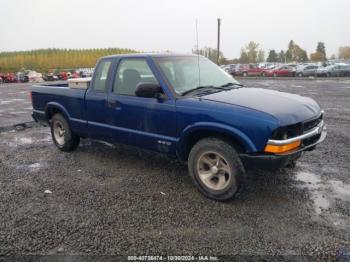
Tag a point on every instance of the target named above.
point(327, 69)
point(33, 76)
point(68, 74)
point(21, 77)
point(8, 78)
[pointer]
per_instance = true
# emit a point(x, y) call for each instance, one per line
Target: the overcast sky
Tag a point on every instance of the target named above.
point(158, 25)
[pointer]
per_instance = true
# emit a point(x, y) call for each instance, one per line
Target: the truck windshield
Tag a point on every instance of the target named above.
point(193, 73)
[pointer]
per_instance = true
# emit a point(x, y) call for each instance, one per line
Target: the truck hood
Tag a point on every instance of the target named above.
point(286, 108)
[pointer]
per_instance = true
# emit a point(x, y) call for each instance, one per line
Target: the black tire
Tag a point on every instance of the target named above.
point(67, 141)
point(229, 158)
point(245, 74)
point(300, 74)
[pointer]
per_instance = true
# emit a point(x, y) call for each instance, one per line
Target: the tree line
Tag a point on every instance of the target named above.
point(44, 60)
point(252, 53)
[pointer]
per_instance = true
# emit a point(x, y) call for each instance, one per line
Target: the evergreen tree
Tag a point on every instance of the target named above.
point(272, 57)
point(321, 48)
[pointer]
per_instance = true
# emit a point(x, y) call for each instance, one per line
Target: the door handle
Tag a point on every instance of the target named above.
point(112, 103)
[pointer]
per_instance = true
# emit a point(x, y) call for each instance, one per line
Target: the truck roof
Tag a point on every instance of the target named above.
point(148, 55)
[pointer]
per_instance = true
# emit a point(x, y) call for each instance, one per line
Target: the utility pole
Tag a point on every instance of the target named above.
point(218, 49)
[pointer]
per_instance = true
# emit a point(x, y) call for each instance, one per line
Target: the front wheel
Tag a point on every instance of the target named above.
point(215, 168)
point(62, 135)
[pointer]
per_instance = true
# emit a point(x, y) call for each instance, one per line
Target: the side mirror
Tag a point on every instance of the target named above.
point(149, 90)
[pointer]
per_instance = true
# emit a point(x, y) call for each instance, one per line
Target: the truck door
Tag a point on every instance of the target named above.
point(96, 101)
point(146, 122)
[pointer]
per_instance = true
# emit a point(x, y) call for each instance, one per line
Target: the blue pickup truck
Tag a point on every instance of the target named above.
point(188, 108)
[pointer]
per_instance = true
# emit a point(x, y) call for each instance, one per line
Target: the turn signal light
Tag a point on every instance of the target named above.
point(281, 149)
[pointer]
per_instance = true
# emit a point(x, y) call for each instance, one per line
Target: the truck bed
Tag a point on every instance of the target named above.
point(70, 99)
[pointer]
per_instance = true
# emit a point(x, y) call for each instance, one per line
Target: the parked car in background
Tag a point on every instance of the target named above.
point(232, 68)
point(339, 70)
point(35, 76)
point(24, 78)
point(50, 77)
point(238, 69)
point(224, 67)
point(324, 70)
point(307, 70)
point(266, 65)
point(227, 68)
point(85, 72)
point(252, 70)
point(294, 68)
point(280, 71)
point(74, 75)
point(9, 78)
point(63, 75)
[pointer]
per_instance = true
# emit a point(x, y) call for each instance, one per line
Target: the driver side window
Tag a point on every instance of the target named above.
point(130, 73)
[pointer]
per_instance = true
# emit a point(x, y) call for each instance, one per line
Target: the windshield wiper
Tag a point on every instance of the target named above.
point(222, 87)
point(195, 89)
point(231, 84)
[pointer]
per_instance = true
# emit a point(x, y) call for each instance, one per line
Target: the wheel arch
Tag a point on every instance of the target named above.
point(192, 134)
point(53, 108)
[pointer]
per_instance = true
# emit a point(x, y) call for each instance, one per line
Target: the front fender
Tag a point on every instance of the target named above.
point(216, 127)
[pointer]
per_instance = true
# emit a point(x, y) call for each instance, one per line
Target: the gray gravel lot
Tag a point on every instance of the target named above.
point(15, 105)
point(110, 199)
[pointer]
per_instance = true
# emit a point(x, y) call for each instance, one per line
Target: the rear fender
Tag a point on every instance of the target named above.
point(58, 107)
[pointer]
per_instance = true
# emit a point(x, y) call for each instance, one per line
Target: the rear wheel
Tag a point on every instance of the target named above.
point(215, 168)
point(245, 74)
point(62, 135)
point(300, 74)
point(274, 75)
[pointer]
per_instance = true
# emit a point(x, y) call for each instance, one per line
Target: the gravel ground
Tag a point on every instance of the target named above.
point(105, 199)
point(15, 105)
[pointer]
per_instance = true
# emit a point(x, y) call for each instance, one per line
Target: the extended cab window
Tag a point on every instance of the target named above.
point(101, 75)
point(130, 73)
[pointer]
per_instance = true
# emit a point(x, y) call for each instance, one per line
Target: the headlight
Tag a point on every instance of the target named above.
point(286, 132)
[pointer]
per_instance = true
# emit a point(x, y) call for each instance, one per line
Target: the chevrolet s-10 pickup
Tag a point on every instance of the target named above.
point(186, 107)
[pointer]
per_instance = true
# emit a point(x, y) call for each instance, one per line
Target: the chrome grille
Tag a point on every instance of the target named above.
point(308, 125)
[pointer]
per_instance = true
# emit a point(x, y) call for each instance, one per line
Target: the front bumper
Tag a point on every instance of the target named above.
point(275, 161)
